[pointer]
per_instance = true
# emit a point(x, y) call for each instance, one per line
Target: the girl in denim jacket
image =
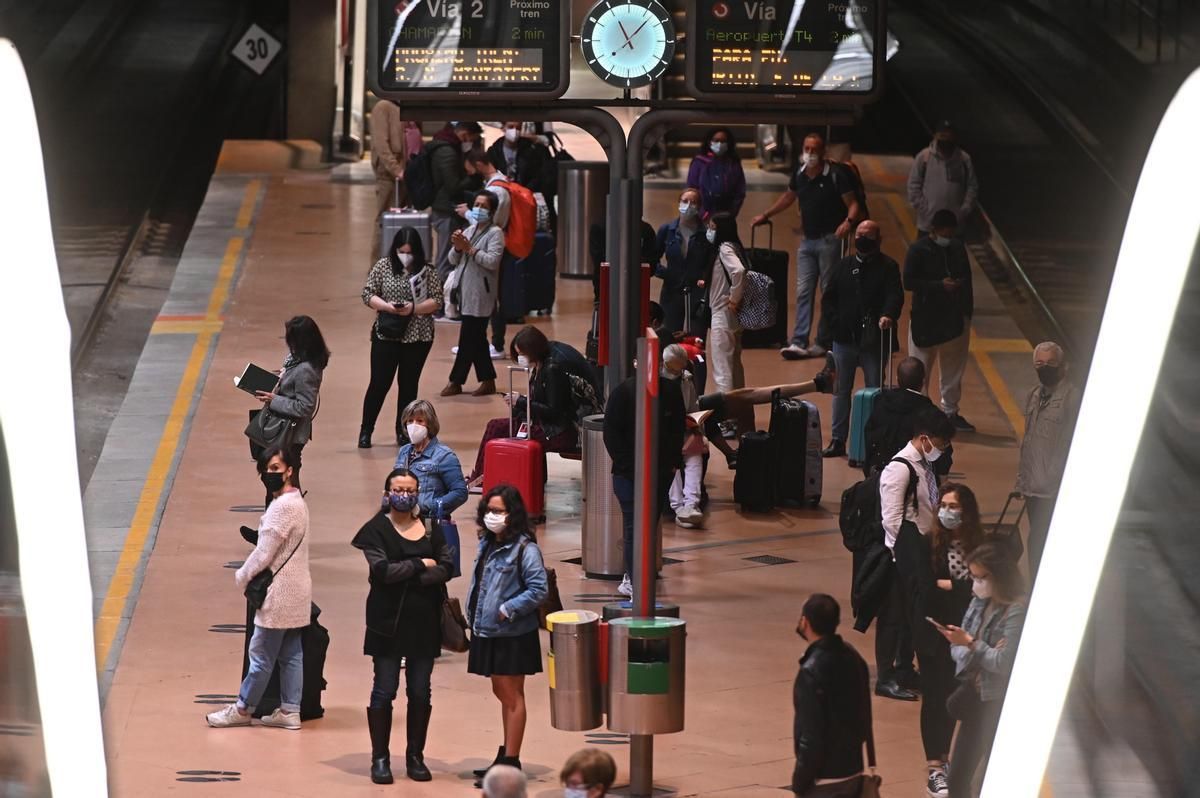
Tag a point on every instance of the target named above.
point(507, 586)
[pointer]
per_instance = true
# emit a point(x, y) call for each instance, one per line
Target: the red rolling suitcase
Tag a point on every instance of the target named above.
point(517, 461)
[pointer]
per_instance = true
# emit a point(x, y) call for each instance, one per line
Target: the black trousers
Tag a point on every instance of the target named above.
point(937, 683)
point(1040, 508)
point(973, 746)
point(418, 671)
point(393, 360)
point(472, 351)
point(893, 637)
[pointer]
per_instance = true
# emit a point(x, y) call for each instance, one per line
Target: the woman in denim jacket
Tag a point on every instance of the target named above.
point(984, 649)
point(435, 465)
point(507, 586)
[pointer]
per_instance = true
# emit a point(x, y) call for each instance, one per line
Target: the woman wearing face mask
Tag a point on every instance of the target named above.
point(508, 583)
point(589, 773)
point(298, 393)
point(684, 247)
point(408, 567)
point(403, 331)
point(558, 391)
point(432, 462)
point(476, 255)
point(282, 548)
point(717, 173)
point(984, 650)
point(725, 286)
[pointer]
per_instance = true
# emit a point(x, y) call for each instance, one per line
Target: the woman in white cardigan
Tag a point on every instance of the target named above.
point(476, 253)
point(282, 548)
point(725, 298)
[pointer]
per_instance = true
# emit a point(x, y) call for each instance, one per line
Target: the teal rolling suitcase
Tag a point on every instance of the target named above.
point(863, 403)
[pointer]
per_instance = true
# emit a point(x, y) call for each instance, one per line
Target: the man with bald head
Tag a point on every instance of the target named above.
point(860, 307)
point(502, 781)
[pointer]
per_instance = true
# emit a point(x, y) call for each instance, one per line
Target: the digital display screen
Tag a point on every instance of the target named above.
point(784, 46)
point(452, 47)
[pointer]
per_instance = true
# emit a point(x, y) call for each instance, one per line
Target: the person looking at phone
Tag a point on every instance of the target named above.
point(402, 333)
point(559, 382)
point(984, 649)
point(476, 255)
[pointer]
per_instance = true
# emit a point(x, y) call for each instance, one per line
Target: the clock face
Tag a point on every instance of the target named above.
point(628, 43)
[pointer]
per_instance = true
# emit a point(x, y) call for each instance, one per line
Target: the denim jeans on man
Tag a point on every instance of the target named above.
point(418, 672)
point(267, 647)
point(625, 491)
point(815, 260)
point(848, 358)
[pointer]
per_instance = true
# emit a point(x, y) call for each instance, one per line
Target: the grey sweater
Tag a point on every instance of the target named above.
point(479, 284)
point(936, 183)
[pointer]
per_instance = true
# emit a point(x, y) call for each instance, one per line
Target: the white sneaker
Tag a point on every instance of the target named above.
point(793, 352)
point(626, 587)
point(689, 518)
point(495, 353)
point(279, 720)
point(227, 716)
point(454, 350)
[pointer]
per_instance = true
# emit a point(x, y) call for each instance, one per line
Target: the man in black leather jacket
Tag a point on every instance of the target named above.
point(832, 700)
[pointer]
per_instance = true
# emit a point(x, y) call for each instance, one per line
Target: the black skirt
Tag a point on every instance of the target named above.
point(505, 656)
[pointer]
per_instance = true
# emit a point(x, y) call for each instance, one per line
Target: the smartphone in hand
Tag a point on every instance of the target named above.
point(937, 625)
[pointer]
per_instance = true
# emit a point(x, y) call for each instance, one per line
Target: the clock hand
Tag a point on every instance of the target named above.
point(623, 33)
point(629, 38)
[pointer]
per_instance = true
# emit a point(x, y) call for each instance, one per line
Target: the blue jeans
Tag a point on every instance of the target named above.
point(815, 259)
point(848, 358)
point(418, 670)
point(268, 646)
point(624, 490)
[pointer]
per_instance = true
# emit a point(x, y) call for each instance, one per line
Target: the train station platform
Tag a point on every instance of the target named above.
point(174, 483)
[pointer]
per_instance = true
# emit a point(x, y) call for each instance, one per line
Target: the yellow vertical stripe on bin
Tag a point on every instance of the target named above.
point(550, 668)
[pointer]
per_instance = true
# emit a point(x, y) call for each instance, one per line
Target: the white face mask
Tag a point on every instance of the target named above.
point(406, 259)
point(982, 588)
point(940, 241)
point(687, 209)
point(522, 361)
point(809, 158)
point(951, 519)
point(711, 235)
point(512, 134)
point(718, 147)
point(575, 792)
point(495, 522)
point(467, 146)
point(934, 453)
point(417, 433)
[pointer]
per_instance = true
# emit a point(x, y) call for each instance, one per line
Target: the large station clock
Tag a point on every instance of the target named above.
point(628, 43)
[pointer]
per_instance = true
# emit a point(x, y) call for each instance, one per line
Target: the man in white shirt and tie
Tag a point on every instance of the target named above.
point(908, 500)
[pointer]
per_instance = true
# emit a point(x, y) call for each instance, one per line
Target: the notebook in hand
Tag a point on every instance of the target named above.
point(256, 379)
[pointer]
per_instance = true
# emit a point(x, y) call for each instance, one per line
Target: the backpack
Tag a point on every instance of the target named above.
point(850, 170)
point(861, 515)
point(759, 306)
point(522, 219)
point(418, 176)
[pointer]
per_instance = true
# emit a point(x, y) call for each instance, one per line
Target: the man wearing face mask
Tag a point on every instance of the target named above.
point(685, 249)
point(1051, 409)
point(942, 176)
point(523, 159)
point(829, 210)
point(908, 503)
point(938, 273)
point(832, 703)
point(860, 307)
point(446, 151)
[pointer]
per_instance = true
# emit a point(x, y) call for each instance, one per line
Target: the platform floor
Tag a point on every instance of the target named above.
point(175, 482)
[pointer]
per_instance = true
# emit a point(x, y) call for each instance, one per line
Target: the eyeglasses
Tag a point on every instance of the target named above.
point(402, 492)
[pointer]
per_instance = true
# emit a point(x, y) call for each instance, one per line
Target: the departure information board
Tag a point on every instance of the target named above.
point(439, 49)
point(784, 48)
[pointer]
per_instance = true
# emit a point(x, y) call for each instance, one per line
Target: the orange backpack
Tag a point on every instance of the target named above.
point(522, 219)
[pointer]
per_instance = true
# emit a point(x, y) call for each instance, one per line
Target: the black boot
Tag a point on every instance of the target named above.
point(499, 755)
point(364, 438)
point(379, 722)
point(511, 761)
point(418, 729)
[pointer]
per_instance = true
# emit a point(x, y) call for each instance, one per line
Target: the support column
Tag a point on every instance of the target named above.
point(312, 40)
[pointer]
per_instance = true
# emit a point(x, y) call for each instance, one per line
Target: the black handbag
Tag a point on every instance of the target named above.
point(268, 428)
point(256, 590)
point(392, 326)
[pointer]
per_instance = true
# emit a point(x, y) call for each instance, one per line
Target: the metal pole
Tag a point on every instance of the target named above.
point(641, 765)
point(346, 144)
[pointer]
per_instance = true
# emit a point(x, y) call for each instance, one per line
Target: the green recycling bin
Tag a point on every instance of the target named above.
point(646, 675)
point(573, 667)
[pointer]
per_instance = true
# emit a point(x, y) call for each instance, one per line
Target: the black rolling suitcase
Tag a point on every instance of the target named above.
point(774, 264)
point(754, 482)
point(540, 270)
point(314, 640)
point(512, 290)
point(796, 428)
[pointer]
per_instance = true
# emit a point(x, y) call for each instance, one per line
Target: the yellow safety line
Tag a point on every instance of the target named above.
point(109, 619)
point(903, 216)
point(173, 327)
point(1003, 345)
point(999, 390)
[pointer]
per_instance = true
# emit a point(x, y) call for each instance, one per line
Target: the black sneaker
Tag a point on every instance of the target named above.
point(961, 424)
point(835, 448)
point(936, 786)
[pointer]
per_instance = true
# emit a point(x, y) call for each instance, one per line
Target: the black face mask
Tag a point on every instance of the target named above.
point(273, 480)
point(1049, 375)
point(866, 246)
point(946, 147)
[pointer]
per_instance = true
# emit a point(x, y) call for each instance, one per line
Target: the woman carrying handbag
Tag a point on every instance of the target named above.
point(409, 566)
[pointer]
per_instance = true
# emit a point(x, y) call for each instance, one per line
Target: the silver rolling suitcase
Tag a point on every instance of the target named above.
point(395, 218)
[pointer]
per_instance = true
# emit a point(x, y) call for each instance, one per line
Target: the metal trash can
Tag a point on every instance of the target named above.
point(646, 675)
point(573, 667)
point(624, 609)
point(603, 553)
point(582, 201)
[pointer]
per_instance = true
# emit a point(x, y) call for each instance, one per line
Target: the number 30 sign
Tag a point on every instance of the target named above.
point(256, 49)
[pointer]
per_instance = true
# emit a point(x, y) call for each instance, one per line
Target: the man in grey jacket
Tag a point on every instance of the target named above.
point(942, 177)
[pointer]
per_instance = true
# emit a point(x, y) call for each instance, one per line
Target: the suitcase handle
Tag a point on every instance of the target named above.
point(528, 405)
point(396, 196)
point(767, 223)
point(885, 358)
point(1004, 512)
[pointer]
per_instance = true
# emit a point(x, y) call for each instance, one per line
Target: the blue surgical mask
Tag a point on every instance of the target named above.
point(479, 215)
point(575, 792)
point(687, 209)
point(711, 235)
point(719, 147)
point(940, 241)
point(401, 502)
point(951, 519)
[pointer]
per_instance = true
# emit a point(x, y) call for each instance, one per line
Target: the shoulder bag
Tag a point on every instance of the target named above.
point(454, 624)
point(268, 428)
point(553, 601)
point(759, 307)
point(256, 591)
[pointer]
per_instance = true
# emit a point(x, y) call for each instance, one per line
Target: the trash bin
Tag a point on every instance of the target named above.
point(646, 675)
point(582, 201)
point(624, 609)
point(603, 554)
point(573, 666)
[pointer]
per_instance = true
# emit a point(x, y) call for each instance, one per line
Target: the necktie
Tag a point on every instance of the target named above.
point(931, 485)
